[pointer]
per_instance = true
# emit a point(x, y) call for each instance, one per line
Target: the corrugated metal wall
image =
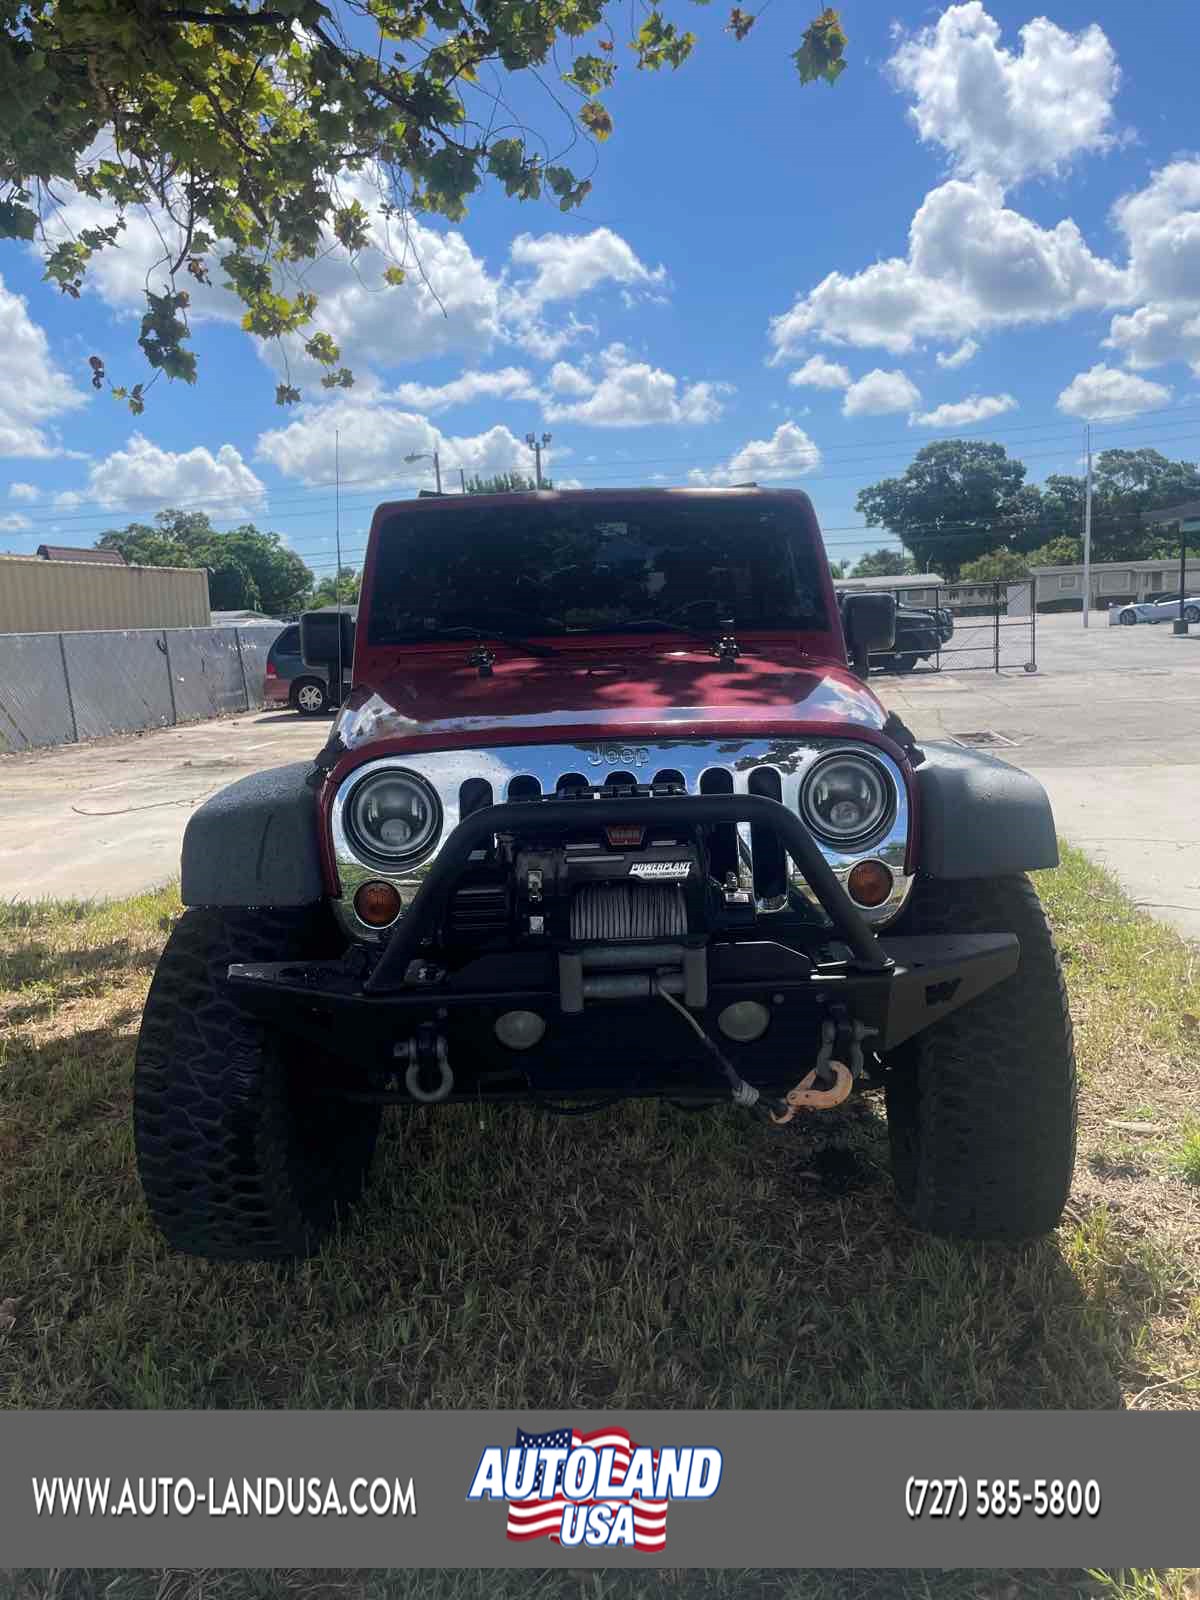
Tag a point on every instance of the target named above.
point(58, 687)
point(118, 681)
point(76, 596)
point(35, 705)
point(206, 671)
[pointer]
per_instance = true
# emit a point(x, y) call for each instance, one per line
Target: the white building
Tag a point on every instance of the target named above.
point(1113, 583)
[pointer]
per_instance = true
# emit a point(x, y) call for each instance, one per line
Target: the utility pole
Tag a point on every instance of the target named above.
point(1087, 533)
point(537, 446)
point(337, 582)
point(1180, 622)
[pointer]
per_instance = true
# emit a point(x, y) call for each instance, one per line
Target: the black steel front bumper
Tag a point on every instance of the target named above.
point(360, 1014)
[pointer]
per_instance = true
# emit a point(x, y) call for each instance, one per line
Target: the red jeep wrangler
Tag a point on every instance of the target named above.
point(607, 813)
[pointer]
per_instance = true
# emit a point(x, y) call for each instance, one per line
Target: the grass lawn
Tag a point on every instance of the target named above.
point(644, 1257)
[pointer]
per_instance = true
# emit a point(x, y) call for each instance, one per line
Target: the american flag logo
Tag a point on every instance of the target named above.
point(541, 1515)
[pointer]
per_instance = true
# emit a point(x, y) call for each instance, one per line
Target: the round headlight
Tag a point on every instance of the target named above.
point(845, 798)
point(393, 817)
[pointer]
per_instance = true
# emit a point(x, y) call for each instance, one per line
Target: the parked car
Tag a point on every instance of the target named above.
point(289, 682)
point(919, 634)
point(576, 837)
point(1165, 609)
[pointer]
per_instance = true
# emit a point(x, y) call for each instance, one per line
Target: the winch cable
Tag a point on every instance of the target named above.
point(744, 1094)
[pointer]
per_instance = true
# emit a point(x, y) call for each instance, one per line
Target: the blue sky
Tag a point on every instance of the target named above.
point(990, 227)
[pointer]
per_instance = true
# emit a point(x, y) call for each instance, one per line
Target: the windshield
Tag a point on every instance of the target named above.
point(563, 568)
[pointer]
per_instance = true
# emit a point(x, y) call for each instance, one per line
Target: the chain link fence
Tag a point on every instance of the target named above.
point(970, 627)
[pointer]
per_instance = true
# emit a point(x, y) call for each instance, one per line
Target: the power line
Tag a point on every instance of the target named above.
point(1055, 427)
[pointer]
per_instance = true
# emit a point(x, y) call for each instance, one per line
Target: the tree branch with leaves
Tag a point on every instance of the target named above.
point(235, 123)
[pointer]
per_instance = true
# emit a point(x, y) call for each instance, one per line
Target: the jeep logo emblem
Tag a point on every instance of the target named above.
point(617, 755)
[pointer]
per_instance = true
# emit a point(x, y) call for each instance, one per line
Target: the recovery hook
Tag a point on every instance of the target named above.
point(807, 1097)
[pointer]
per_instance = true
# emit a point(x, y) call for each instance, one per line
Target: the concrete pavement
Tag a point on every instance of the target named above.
point(1110, 725)
point(106, 819)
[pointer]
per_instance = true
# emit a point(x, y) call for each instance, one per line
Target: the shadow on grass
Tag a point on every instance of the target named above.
point(640, 1258)
point(45, 978)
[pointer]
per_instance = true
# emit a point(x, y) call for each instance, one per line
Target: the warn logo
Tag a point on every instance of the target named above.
point(660, 869)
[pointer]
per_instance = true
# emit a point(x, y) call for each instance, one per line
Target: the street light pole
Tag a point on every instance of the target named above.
point(426, 455)
point(537, 446)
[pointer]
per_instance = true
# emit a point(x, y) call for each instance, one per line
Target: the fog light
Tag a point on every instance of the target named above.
point(377, 904)
point(869, 883)
point(744, 1020)
point(520, 1030)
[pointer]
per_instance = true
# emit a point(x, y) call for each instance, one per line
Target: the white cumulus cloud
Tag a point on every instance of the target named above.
point(511, 382)
point(568, 379)
point(972, 264)
point(878, 393)
point(959, 357)
point(375, 437)
point(957, 413)
point(14, 522)
point(451, 301)
point(565, 266)
point(1003, 114)
point(788, 453)
point(34, 389)
point(24, 491)
point(1161, 224)
point(630, 394)
point(144, 476)
point(819, 373)
point(1105, 392)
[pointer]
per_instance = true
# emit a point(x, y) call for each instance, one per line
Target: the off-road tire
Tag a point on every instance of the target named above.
point(239, 1156)
point(982, 1106)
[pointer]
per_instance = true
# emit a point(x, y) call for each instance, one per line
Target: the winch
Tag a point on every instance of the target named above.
point(611, 884)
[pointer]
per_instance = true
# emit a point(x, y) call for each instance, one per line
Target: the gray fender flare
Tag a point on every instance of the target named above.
point(980, 817)
point(255, 843)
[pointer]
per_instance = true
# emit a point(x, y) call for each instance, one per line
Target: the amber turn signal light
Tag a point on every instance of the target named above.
point(377, 904)
point(869, 883)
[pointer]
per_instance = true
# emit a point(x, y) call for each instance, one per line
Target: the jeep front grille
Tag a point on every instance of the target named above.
point(468, 780)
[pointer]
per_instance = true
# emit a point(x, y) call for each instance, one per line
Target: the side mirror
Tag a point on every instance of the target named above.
point(869, 624)
point(319, 639)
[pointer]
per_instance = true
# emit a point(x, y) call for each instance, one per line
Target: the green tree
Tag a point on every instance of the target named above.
point(1126, 486)
point(837, 569)
point(342, 590)
point(236, 122)
point(882, 564)
point(1061, 551)
point(995, 567)
point(956, 500)
point(248, 569)
point(504, 483)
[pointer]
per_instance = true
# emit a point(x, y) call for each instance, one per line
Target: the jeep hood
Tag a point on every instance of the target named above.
point(432, 694)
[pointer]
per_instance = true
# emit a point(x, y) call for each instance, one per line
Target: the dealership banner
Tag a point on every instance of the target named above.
point(578, 1489)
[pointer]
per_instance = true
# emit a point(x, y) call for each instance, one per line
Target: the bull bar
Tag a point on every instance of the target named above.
point(900, 984)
